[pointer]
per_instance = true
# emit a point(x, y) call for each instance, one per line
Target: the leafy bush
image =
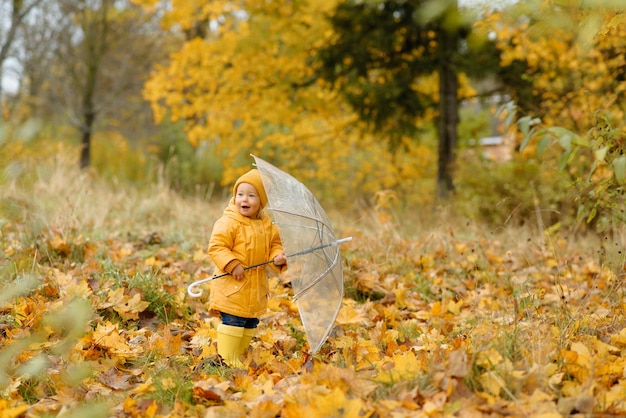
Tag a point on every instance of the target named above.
point(594, 162)
point(514, 192)
point(187, 169)
point(113, 158)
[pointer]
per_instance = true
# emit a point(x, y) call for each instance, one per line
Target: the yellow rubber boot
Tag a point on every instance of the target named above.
point(248, 334)
point(228, 343)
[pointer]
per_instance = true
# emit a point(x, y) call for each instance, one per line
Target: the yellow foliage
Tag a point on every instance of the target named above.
point(572, 55)
point(247, 88)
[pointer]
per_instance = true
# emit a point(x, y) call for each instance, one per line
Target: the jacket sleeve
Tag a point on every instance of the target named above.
point(221, 246)
point(276, 247)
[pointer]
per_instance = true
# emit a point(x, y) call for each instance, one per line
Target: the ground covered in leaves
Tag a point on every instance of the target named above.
point(451, 321)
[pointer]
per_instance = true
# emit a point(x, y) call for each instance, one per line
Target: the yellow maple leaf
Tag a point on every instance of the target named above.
point(539, 396)
point(59, 244)
point(578, 361)
point(615, 397)
point(319, 402)
point(615, 367)
point(491, 383)
point(423, 315)
point(166, 343)
point(619, 339)
point(337, 403)
point(146, 387)
point(494, 258)
point(77, 289)
point(426, 262)
point(435, 309)
point(367, 353)
point(584, 355)
point(603, 349)
point(151, 411)
point(455, 307)
point(126, 306)
point(460, 248)
point(489, 358)
point(407, 363)
point(265, 409)
point(12, 410)
point(405, 366)
point(200, 255)
point(119, 254)
point(107, 336)
point(349, 314)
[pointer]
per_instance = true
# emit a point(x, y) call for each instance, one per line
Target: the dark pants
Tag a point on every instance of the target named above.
point(238, 321)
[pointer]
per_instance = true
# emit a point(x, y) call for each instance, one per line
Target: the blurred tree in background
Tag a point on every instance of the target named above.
point(84, 63)
point(381, 54)
point(103, 57)
point(13, 14)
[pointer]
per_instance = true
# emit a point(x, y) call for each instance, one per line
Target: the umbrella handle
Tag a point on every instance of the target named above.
point(195, 294)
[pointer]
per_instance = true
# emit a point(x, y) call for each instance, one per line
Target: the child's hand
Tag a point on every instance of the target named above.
point(280, 259)
point(238, 272)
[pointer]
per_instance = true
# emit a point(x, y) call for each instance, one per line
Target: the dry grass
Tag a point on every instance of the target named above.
point(58, 196)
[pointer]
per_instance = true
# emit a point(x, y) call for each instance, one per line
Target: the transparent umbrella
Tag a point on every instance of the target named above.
point(317, 272)
point(314, 262)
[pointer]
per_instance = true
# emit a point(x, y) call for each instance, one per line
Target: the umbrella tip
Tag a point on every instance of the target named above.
point(308, 366)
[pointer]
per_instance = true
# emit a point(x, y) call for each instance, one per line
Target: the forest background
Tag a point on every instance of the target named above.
point(486, 285)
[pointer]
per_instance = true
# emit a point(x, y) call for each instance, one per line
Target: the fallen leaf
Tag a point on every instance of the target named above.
point(458, 365)
point(208, 392)
point(115, 380)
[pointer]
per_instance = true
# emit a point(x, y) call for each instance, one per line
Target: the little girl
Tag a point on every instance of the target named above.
point(243, 236)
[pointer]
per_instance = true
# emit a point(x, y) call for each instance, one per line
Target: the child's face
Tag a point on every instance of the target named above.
point(247, 200)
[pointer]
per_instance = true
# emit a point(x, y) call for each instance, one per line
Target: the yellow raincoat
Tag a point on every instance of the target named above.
point(250, 241)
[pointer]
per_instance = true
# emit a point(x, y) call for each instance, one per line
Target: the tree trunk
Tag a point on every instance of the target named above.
point(95, 44)
point(89, 114)
point(85, 150)
point(448, 112)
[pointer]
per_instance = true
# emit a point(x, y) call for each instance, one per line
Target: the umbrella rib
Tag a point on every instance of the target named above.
point(319, 278)
point(331, 260)
point(291, 214)
point(321, 228)
point(295, 226)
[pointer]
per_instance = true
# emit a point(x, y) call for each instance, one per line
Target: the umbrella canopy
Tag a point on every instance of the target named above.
point(316, 273)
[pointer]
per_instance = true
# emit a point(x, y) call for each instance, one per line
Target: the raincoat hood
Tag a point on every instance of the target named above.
point(252, 177)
